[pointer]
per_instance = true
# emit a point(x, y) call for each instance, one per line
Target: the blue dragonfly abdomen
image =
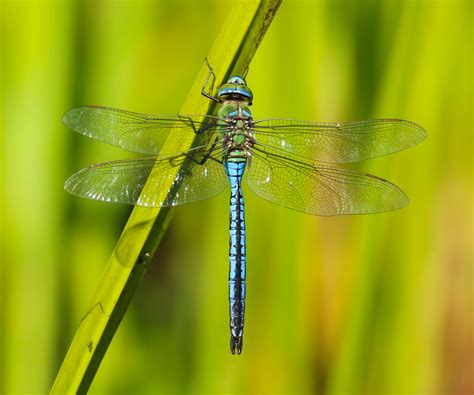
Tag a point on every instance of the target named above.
point(237, 254)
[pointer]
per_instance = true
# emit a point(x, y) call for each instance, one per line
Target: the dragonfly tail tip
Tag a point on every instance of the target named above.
point(235, 344)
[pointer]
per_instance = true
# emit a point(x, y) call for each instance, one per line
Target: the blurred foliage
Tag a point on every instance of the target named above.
point(369, 304)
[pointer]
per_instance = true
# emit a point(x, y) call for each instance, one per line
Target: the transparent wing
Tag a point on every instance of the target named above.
point(135, 132)
point(123, 181)
point(338, 142)
point(320, 190)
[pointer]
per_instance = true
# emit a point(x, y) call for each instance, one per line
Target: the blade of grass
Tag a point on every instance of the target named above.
point(231, 53)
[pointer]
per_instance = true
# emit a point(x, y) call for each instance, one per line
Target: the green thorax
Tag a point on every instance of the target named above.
point(235, 128)
point(235, 99)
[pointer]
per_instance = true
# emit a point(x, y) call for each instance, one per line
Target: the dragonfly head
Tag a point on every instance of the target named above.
point(235, 89)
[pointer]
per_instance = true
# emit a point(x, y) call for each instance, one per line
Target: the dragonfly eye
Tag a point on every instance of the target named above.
point(236, 80)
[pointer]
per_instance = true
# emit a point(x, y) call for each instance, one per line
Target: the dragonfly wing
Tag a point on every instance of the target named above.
point(123, 181)
point(338, 142)
point(320, 190)
point(135, 132)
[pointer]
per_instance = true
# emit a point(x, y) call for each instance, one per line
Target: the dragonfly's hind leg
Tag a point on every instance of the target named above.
point(203, 90)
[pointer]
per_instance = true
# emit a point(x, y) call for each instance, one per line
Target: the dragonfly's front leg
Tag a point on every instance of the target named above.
point(203, 90)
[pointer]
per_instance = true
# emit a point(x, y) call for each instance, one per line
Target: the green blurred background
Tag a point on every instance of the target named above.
point(350, 305)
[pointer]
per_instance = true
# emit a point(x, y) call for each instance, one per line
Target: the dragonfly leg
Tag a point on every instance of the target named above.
point(203, 90)
point(246, 72)
point(201, 130)
point(205, 157)
point(191, 122)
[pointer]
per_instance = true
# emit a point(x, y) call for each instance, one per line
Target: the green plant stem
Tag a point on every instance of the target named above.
point(232, 52)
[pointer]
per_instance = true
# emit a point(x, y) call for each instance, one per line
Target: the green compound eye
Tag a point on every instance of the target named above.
point(236, 80)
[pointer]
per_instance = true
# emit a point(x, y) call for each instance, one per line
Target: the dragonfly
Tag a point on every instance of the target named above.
point(284, 161)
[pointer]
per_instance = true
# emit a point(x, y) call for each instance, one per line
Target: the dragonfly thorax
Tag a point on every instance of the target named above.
point(236, 129)
point(239, 138)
